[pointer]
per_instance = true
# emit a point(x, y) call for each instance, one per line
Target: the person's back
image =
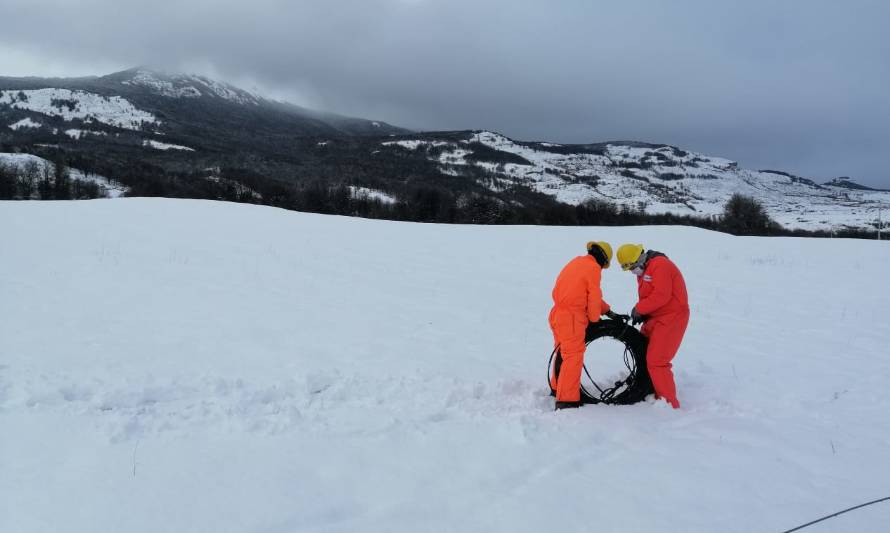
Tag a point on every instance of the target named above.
point(576, 279)
point(577, 300)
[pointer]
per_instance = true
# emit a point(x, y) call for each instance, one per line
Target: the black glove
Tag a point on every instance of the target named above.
point(635, 317)
point(615, 316)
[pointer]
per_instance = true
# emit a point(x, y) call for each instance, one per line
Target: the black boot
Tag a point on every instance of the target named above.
point(567, 405)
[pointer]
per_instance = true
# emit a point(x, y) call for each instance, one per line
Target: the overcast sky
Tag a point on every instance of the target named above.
point(802, 86)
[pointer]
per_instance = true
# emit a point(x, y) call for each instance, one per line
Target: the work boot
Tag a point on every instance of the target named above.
point(567, 405)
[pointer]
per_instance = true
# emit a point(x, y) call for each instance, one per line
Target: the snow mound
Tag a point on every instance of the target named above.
point(183, 365)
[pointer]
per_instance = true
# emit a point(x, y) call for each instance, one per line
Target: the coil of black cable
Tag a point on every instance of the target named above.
point(636, 386)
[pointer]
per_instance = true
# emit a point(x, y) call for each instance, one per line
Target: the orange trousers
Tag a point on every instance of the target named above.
point(665, 335)
point(569, 329)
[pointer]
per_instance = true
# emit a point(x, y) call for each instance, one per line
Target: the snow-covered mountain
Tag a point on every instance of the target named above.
point(158, 103)
point(189, 86)
point(140, 126)
point(182, 365)
point(655, 178)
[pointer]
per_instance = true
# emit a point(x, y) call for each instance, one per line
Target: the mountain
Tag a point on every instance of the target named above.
point(189, 107)
point(844, 182)
point(162, 134)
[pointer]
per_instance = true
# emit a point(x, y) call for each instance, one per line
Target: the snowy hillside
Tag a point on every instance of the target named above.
point(79, 105)
point(177, 365)
point(659, 178)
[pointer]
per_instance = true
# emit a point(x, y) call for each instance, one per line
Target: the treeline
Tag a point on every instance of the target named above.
point(457, 200)
point(34, 180)
point(423, 203)
point(741, 215)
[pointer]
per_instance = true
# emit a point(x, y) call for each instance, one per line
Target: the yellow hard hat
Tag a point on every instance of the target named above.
point(606, 247)
point(628, 255)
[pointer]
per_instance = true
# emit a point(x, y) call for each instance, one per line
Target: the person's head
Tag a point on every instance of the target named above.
point(601, 251)
point(631, 257)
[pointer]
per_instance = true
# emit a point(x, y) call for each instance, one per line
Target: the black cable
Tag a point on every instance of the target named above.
point(798, 528)
point(605, 395)
point(550, 362)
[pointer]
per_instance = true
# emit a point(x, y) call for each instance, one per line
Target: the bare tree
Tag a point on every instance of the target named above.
point(7, 182)
point(45, 184)
point(27, 179)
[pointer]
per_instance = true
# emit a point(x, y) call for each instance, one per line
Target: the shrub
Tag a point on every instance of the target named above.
point(743, 215)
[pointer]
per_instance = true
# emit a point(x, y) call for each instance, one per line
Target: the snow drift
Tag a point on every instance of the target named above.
point(197, 366)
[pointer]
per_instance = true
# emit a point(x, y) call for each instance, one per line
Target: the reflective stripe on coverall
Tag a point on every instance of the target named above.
point(577, 300)
point(665, 304)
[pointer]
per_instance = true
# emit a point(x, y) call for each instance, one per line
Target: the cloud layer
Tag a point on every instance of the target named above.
point(797, 85)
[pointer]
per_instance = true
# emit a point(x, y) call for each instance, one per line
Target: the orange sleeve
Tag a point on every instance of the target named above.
point(595, 296)
point(661, 291)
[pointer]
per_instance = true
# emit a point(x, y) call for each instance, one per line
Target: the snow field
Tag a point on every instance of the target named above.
point(176, 365)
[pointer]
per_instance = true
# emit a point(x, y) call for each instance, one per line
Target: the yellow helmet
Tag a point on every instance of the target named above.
point(628, 255)
point(605, 247)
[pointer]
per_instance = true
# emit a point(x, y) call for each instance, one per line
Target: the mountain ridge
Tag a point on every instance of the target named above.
point(157, 133)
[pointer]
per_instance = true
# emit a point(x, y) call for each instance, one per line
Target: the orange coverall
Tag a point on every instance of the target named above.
point(665, 304)
point(577, 300)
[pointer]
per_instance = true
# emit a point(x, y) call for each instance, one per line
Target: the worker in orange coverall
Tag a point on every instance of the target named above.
point(577, 301)
point(663, 308)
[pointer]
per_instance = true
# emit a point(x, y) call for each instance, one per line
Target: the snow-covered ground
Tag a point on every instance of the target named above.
point(111, 188)
point(371, 194)
point(157, 145)
point(413, 144)
point(26, 123)
point(79, 105)
point(77, 134)
point(660, 179)
point(178, 365)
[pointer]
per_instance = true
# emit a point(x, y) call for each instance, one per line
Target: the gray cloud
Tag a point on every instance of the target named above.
point(796, 85)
